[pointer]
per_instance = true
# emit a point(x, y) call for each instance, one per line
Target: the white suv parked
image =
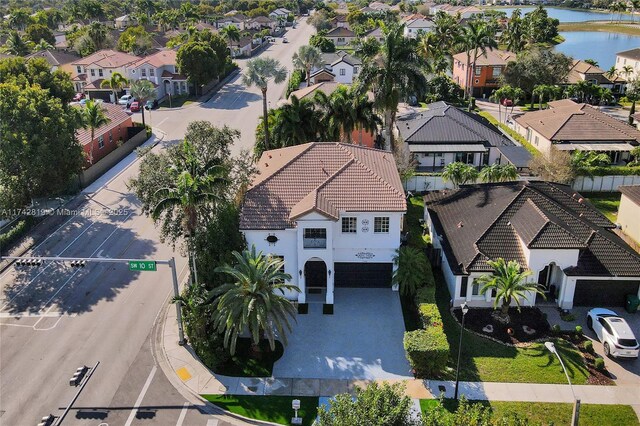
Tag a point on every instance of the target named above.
point(124, 100)
point(614, 333)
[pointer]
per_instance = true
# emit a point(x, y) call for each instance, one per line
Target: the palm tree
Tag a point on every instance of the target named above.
point(336, 114)
point(42, 45)
point(459, 173)
point(510, 283)
point(393, 74)
point(19, 18)
point(476, 37)
point(307, 58)
point(142, 91)
point(255, 300)
point(93, 117)
point(293, 124)
point(258, 73)
point(498, 173)
point(116, 83)
point(230, 33)
point(195, 182)
point(612, 73)
point(98, 34)
point(16, 45)
point(365, 118)
point(411, 267)
point(513, 36)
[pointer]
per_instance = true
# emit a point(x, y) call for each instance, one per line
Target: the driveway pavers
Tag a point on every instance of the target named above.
point(361, 340)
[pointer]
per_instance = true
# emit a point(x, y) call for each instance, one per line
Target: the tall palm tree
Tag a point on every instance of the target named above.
point(42, 45)
point(258, 73)
point(195, 183)
point(498, 173)
point(19, 18)
point(365, 118)
point(510, 283)
point(307, 58)
point(16, 45)
point(459, 173)
point(98, 34)
point(143, 90)
point(612, 73)
point(230, 33)
point(116, 83)
point(93, 117)
point(336, 114)
point(393, 74)
point(476, 38)
point(254, 300)
point(294, 124)
point(411, 266)
point(514, 35)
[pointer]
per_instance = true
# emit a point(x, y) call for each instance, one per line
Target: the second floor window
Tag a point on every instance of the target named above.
point(381, 225)
point(100, 72)
point(315, 238)
point(93, 72)
point(340, 40)
point(79, 69)
point(349, 225)
point(152, 72)
point(100, 142)
point(143, 72)
point(343, 72)
point(478, 70)
point(497, 71)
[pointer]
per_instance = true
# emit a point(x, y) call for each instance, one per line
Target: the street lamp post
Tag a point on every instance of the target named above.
point(576, 401)
point(465, 309)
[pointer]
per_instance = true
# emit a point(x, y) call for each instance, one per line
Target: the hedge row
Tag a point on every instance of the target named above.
point(427, 349)
point(611, 171)
point(12, 235)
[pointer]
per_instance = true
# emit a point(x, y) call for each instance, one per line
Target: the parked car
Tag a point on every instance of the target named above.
point(507, 102)
point(284, 40)
point(151, 104)
point(614, 333)
point(131, 101)
point(135, 106)
point(78, 96)
point(124, 100)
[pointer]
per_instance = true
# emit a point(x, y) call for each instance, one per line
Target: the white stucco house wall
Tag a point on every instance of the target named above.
point(332, 211)
point(413, 27)
point(161, 69)
point(550, 230)
point(343, 67)
point(629, 211)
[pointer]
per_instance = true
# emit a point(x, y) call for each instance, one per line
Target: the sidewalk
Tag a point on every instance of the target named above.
point(200, 380)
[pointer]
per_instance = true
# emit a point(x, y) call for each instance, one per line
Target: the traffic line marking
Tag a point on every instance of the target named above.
point(183, 373)
point(183, 414)
point(143, 392)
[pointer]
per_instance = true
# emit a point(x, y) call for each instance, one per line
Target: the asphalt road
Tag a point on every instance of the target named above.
point(55, 318)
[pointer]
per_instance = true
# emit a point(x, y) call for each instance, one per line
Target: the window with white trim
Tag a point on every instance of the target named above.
point(100, 73)
point(475, 289)
point(100, 141)
point(93, 72)
point(381, 225)
point(152, 72)
point(349, 225)
point(497, 71)
point(143, 72)
point(79, 69)
point(478, 70)
point(343, 71)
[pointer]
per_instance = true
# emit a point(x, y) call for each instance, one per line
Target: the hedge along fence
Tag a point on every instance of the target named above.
point(15, 232)
point(427, 349)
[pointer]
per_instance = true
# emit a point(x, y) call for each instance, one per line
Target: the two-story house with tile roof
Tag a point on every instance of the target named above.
point(485, 78)
point(89, 72)
point(584, 71)
point(338, 66)
point(161, 69)
point(332, 211)
point(568, 246)
point(341, 36)
point(107, 137)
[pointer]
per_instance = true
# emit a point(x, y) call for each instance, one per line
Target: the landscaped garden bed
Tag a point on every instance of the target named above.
point(276, 409)
point(248, 363)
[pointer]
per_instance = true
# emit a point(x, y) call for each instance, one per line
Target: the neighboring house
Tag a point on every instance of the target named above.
point(629, 211)
point(466, 12)
point(569, 126)
point(377, 34)
point(89, 72)
point(488, 69)
point(340, 21)
point(231, 21)
point(262, 22)
point(123, 22)
point(56, 59)
point(242, 47)
point(583, 71)
point(628, 58)
point(339, 66)
point(379, 6)
point(337, 226)
point(341, 36)
point(108, 137)
point(413, 27)
point(552, 231)
point(281, 14)
point(444, 134)
point(161, 69)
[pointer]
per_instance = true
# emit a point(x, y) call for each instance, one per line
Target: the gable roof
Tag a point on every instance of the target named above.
point(484, 222)
point(419, 23)
point(568, 121)
point(54, 57)
point(581, 70)
point(336, 57)
point(442, 123)
point(630, 54)
point(107, 59)
point(328, 87)
point(340, 32)
point(323, 177)
point(376, 32)
point(493, 57)
point(632, 192)
point(116, 115)
point(158, 59)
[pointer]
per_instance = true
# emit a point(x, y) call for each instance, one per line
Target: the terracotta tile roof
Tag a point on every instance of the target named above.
point(328, 87)
point(340, 32)
point(581, 71)
point(324, 177)
point(169, 74)
point(567, 121)
point(115, 113)
point(54, 57)
point(632, 192)
point(483, 222)
point(158, 59)
point(107, 59)
point(492, 57)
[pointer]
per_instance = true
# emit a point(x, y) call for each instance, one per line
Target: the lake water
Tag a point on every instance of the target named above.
point(596, 45)
point(572, 15)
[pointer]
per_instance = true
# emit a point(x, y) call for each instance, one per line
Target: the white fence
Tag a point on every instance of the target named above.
point(420, 183)
point(603, 183)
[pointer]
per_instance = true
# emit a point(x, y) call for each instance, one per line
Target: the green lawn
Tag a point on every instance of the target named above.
point(607, 202)
point(178, 101)
point(245, 364)
point(554, 413)
point(415, 213)
point(276, 409)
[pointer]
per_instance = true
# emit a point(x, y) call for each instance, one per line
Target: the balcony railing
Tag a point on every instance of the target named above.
point(314, 243)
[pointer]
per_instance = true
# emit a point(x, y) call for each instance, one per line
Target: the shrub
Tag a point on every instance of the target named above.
point(429, 314)
point(426, 295)
point(556, 328)
point(13, 234)
point(567, 317)
point(588, 346)
point(579, 330)
point(599, 364)
point(427, 350)
point(297, 76)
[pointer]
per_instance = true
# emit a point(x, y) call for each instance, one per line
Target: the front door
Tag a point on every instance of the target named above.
point(315, 274)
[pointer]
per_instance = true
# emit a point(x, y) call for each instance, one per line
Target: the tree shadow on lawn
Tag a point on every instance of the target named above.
point(485, 360)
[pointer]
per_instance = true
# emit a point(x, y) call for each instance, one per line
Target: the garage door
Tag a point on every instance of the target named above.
point(363, 275)
point(603, 293)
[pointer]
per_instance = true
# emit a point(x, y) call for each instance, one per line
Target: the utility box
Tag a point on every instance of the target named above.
point(632, 303)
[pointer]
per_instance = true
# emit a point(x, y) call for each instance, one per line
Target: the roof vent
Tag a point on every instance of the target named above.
point(460, 224)
point(580, 200)
point(266, 164)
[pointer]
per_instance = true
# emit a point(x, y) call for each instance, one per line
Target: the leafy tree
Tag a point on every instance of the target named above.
point(99, 35)
point(443, 88)
point(320, 20)
point(514, 35)
point(135, 40)
point(324, 44)
point(459, 173)
point(537, 66)
point(367, 48)
point(199, 63)
point(306, 58)
point(258, 73)
point(510, 283)
point(554, 166)
point(19, 19)
point(377, 404)
point(116, 83)
point(635, 153)
point(582, 161)
point(230, 33)
point(93, 117)
point(539, 27)
point(37, 71)
point(393, 74)
point(411, 266)
point(498, 173)
point(143, 90)
point(16, 45)
point(254, 300)
point(37, 32)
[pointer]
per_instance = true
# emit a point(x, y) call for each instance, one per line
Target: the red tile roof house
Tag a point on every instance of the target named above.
point(332, 211)
point(89, 72)
point(160, 68)
point(570, 247)
point(106, 138)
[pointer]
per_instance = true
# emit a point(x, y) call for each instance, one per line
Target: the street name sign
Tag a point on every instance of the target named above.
point(142, 265)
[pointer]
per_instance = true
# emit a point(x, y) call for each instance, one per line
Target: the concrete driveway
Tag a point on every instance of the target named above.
point(624, 371)
point(361, 340)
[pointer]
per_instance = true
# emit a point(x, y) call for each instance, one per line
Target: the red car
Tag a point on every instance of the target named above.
point(78, 97)
point(135, 107)
point(507, 102)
